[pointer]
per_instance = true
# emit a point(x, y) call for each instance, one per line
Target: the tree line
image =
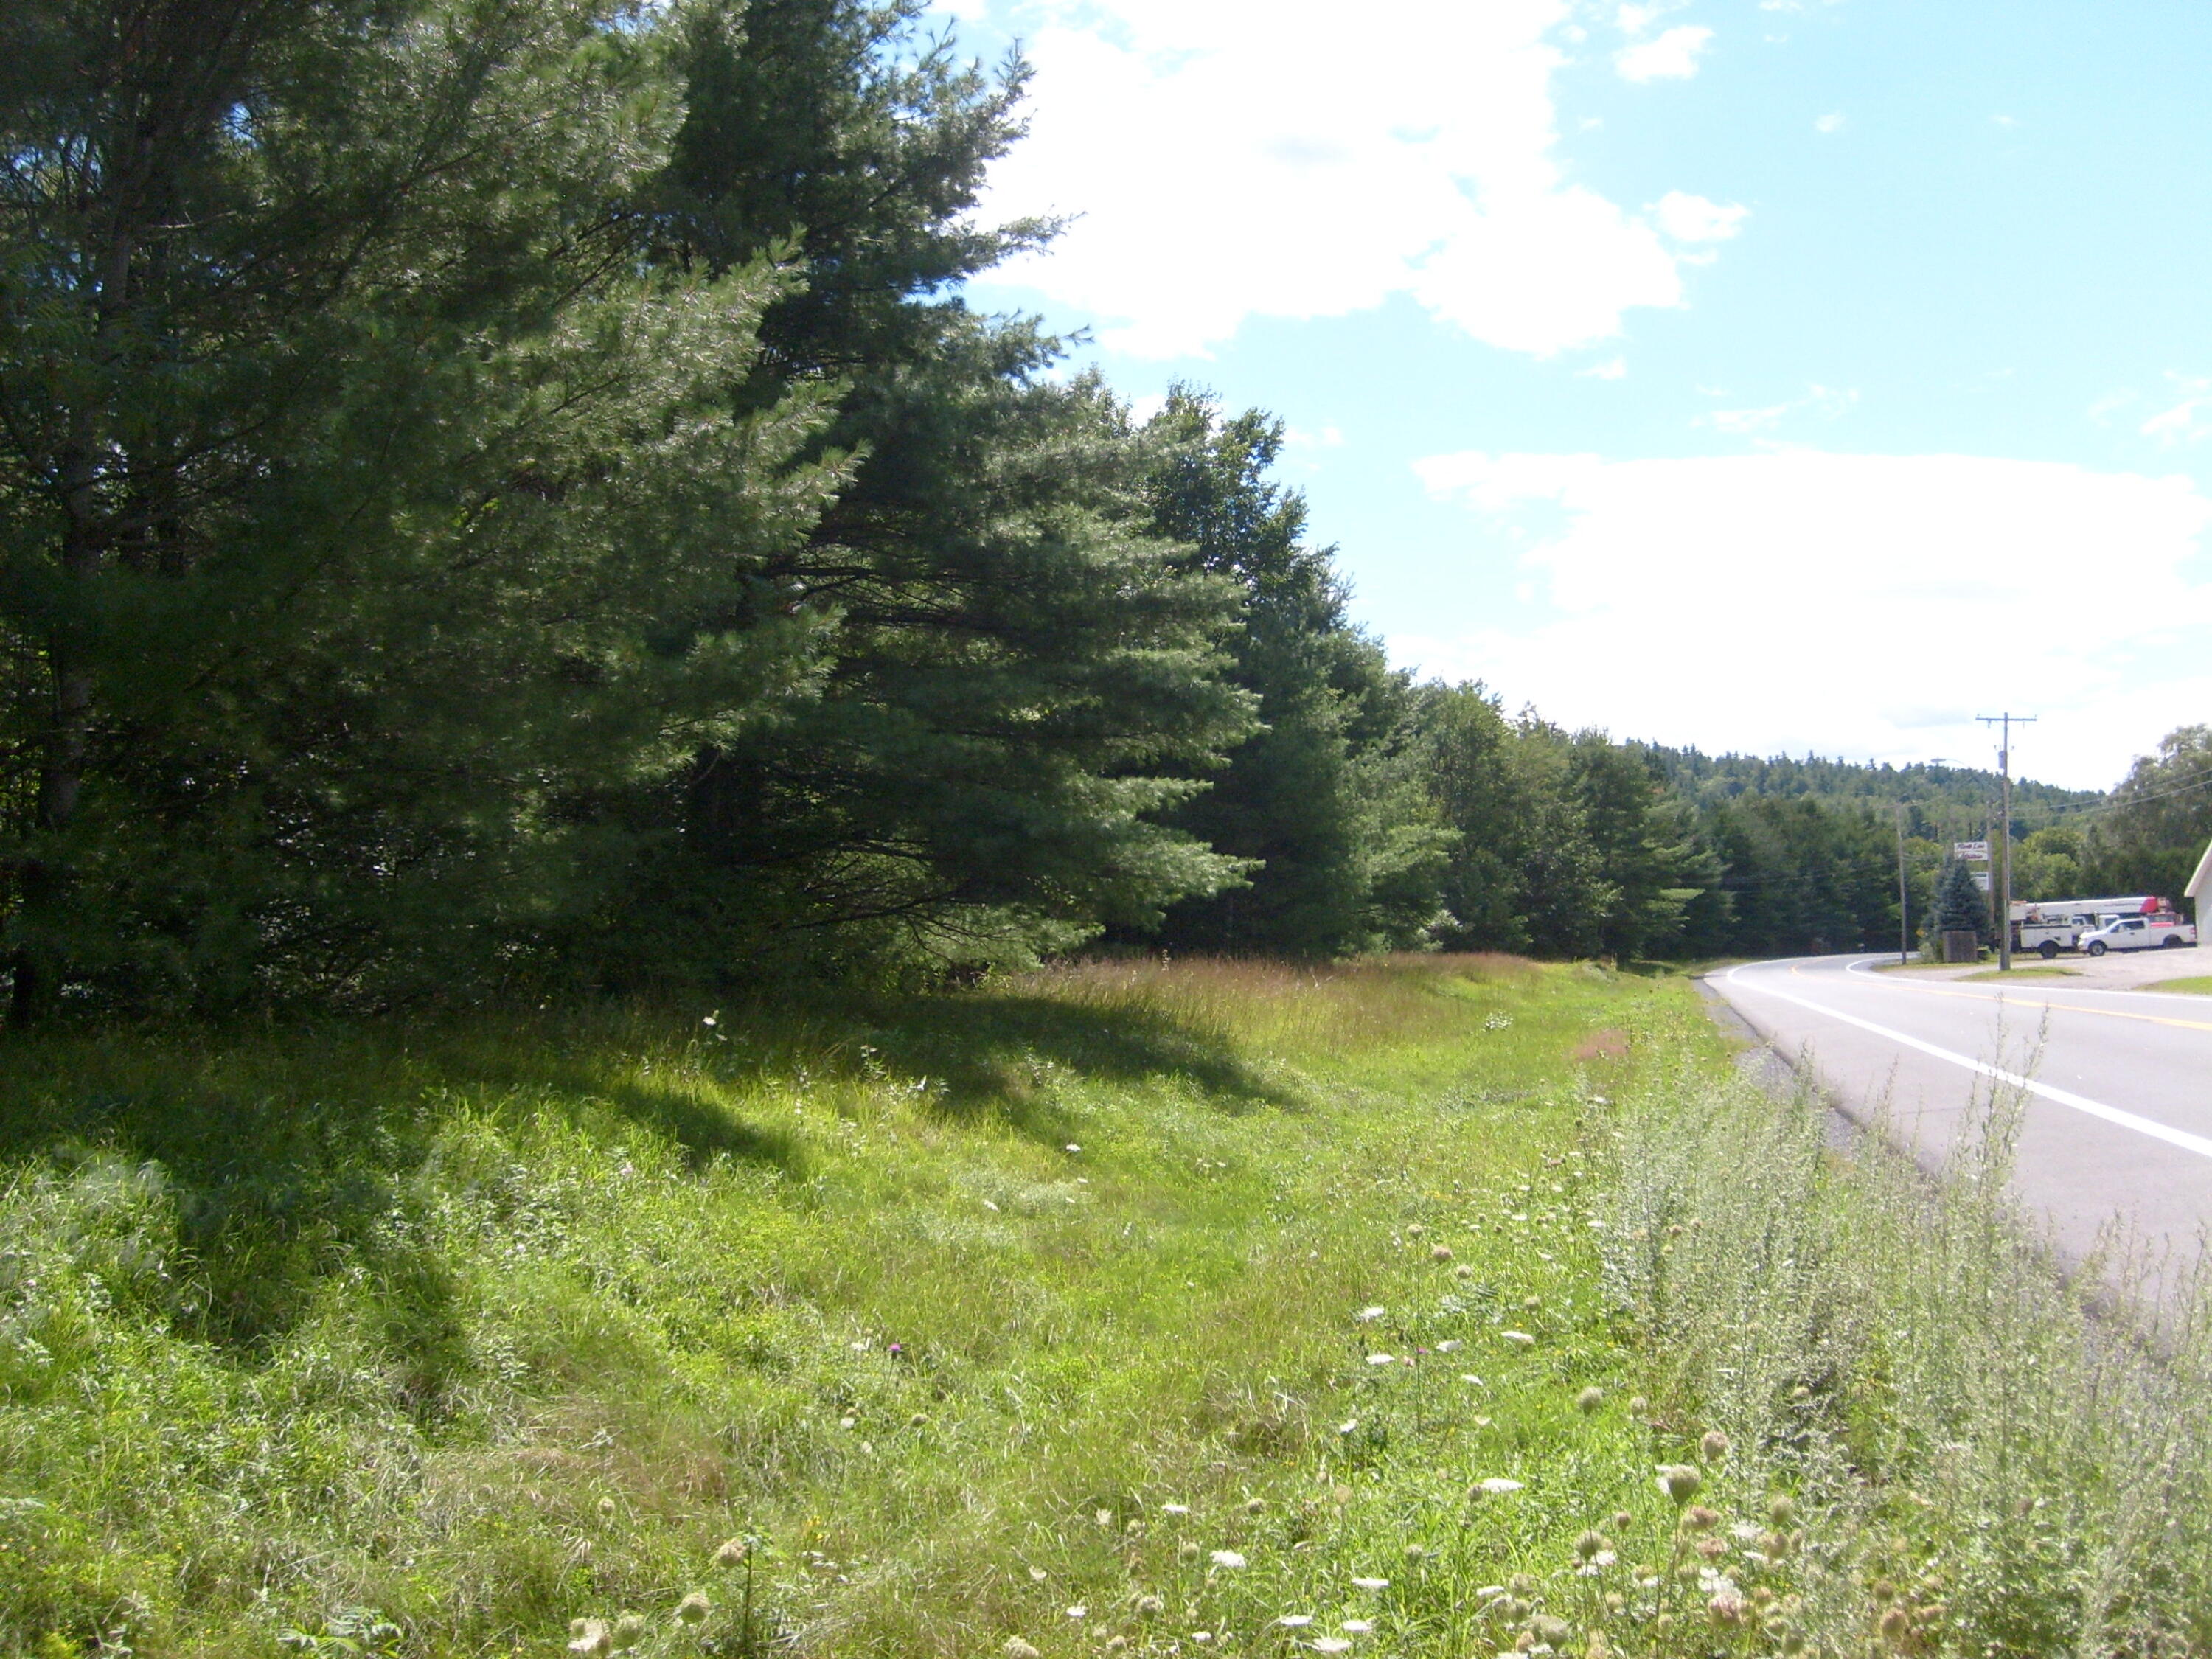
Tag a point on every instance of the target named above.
point(507, 495)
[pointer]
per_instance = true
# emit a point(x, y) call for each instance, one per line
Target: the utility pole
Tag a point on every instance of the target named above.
point(1904, 923)
point(2006, 720)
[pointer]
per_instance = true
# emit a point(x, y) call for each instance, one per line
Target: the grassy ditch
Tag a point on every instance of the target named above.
point(1131, 1308)
point(1433, 1306)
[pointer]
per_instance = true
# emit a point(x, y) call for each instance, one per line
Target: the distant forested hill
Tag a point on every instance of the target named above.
point(1947, 793)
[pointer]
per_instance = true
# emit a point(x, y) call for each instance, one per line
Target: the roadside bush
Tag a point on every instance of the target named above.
point(1988, 1457)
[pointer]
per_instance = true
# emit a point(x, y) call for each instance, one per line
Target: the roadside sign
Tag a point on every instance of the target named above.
point(1971, 850)
point(1982, 879)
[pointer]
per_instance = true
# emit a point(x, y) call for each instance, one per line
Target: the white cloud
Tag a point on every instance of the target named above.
point(1612, 368)
point(1672, 57)
point(1824, 401)
point(1693, 219)
point(1864, 606)
point(1834, 121)
point(2186, 421)
point(1222, 170)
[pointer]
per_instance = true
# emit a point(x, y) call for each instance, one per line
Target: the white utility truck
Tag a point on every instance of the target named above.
point(2047, 927)
point(2164, 930)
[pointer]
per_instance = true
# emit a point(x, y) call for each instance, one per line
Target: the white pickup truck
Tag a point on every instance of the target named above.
point(2165, 931)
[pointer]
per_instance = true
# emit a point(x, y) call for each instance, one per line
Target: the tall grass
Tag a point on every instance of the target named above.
point(1989, 1456)
point(963, 1314)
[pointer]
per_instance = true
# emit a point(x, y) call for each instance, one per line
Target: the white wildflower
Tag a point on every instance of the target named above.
point(1381, 1359)
point(1368, 1316)
point(1497, 1486)
point(1371, 1583)
point(1520, 1339)
point(1228, 1558)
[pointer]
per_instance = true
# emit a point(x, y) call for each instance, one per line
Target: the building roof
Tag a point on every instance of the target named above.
point(2200, 885)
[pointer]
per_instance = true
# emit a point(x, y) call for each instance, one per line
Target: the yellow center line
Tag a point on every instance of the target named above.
point(2063, 1007)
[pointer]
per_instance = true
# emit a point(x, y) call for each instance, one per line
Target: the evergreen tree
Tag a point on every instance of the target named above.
point(360, 497)
point(1961, 904)
point(1323, 801)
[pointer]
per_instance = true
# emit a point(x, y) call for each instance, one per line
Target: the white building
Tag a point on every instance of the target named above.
point(2199, 889)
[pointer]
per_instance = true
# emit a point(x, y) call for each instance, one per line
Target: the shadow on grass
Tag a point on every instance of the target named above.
point(286, 1154)
point(992, 1051)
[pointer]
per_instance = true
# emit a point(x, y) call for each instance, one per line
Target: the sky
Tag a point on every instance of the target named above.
point(1780, 376)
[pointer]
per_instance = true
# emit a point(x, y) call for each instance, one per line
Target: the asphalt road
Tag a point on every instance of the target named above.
point(2118, 1112)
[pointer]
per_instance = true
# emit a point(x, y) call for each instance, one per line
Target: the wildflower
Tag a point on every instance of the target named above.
point(1295, 1621)
point(1639, 1405)
point(1255, 1506)
point(1381, 1359)
point(693, 1608)
point(1116, 1644)
point(710, 1019)
point(1078, 1611)
point(1883, 1591)
point(1462, 1272)
point(1356, 1626)
point(1149, 1605)
point(1349, 1426)
point(919, 1420)
point(1371, 1584)
point(1103, 1517)
point(1015, 1647)
point(1452, 1345)
point(1470, 1379)
point(732, 1554)
point(1072, 1147)
point(1895, 1626)
point(590, 1636)
point(1187, 1550)
point(1622, 1520)
point(1228, 1558)
point(1589, 1400)
point(1416, 1552)
point(1519, 1339)
point(1415, 1231)
point(1679, 1482)
point(1175, 1509)
point(1440, 1253)
point(1699, 1518)
point(1781, 1509)
point(1497, 1486)
point(1037, 1574)
point(1201, 1635)
point(1368, 1316)
point(1330, 1644)
point(1712, 1548)
point(1727, 1608)
point(1522, 1585)
point(1590, 1544)
point(606, 1509)
point(627, 1632)
point(1713, 1448)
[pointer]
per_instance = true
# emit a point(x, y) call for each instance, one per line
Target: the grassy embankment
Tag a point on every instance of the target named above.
point(494, 1328)
point(1130, 1308)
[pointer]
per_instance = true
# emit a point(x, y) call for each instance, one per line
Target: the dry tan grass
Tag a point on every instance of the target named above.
point(1316, 1007)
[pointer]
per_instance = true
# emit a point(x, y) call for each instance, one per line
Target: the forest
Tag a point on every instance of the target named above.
point(509, 499)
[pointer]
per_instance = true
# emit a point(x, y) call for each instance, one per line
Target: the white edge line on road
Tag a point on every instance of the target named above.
point(2141, 1125)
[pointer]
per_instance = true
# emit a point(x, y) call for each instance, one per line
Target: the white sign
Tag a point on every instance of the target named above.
point(1971, 850)
point(1982, 879)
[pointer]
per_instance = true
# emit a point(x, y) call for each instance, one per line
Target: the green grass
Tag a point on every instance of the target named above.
point(2200, 985)
point(2000, 974)
point(1082, 1314)
point(967, 1312)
